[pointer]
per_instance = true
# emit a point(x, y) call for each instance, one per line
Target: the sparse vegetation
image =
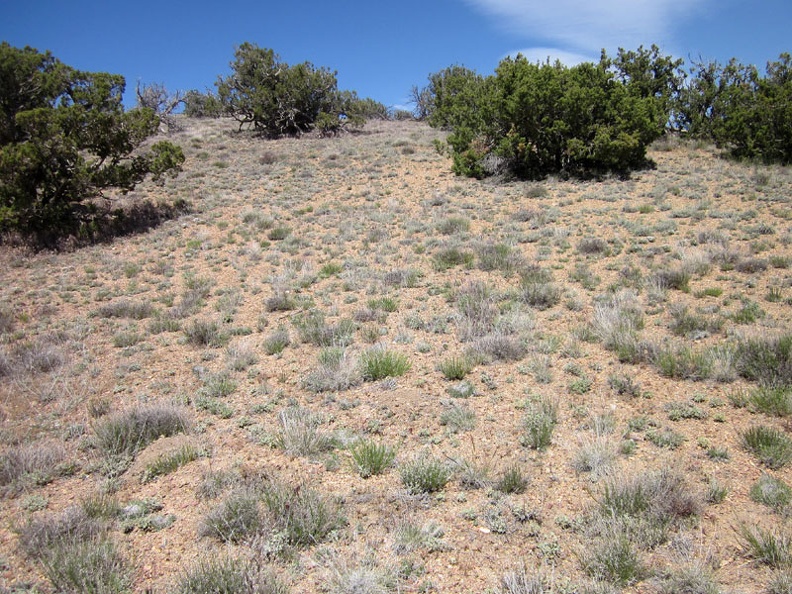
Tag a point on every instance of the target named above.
point(549, 379)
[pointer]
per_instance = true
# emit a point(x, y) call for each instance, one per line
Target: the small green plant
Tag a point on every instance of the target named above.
point(614, 559)
point(771, 446)
point(218, 385)
point(455, 368)
point(300, 433)
point(277, 341)
point(370, 458)
point(94, 565)
point(225, 575)
point(237, 517)
point(127, 432)
point(665, 438)
point(214, 406)
point(512, 481)
point(378, 363)
point(772, 492)
point(538, 425)
point(167, 463)
point(304, 516)
point(771, 547)
point(205, 333)
point(458, 418)
point(424, 474)
point(775, 401)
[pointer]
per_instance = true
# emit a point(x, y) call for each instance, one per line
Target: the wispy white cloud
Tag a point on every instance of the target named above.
point(587, 26)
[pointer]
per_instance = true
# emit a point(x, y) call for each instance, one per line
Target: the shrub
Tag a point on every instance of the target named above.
point(378, 363)
point(236, 518)
point(35, 463)
point(477, 306)
point(766, 360)
point(576, 120)
point(170, 462)
point(312, 328)
point(370, 458)
point(772, 547)
point(337, 371)
point(205, 333)
point(775, 401)
point(539, 422)
point(512, 481)
point(127, 309)
point(300, 435)
point(94, 566)
point(537, 288)
point(771, 446)
point(771, 492)
point(455, 368)
point(277, 99)
point(64, 139)
point(303, 515)
point(424, 474)
point(458, 418)
point(614, 559)
point(128, 432)
point(225, 575)
point(277, 341)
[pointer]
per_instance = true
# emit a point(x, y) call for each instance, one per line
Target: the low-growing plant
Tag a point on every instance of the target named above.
point(771, 547)
point(449, 257)
point(379, 362)
point(225, 575)
point(337, 371)
point(124, 308)
point(303, 515)
point(458, 418)
point(424, 474)
point(170, 462)
point(772, 492)
point(300, 433)
point(127, 432)
point(781, 582)
point(766, 360)
point(771, 446)
point(537, 288)
point(275, 342)
point(512, 481)
point(538, 424)
point(692, 578)
point(236, 518)
point(455, 368)
point(595, 456)
point(312, 328)
point(614, 559)
point(205, 333)
point(665, 438)
point(409, 537)
point(775, 401)
point(218, 385)
point(370, 458)
point(93, 566)
point(30, 464)
point(214, 406)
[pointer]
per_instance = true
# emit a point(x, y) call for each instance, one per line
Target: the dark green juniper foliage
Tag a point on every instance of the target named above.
point(64, 139)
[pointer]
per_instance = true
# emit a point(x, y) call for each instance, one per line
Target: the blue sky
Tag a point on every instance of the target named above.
point(381, 50)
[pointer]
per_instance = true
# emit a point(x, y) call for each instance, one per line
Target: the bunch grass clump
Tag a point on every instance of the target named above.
point(370, 458)
point(424, 474)
point(379, 363)
point(772, 446)
point(127, 432)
